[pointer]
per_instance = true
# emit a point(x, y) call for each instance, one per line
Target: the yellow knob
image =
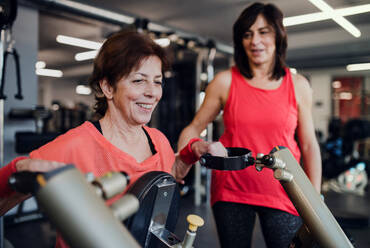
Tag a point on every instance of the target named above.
point(195, 221)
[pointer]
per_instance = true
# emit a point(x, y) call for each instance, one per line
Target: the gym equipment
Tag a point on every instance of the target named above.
point(27, 141)
point(320, 224)
point(75, 206)
point(8, 14)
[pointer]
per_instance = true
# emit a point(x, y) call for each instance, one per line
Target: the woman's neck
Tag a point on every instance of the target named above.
point(262, 77)
point(261, 71)
point(116, 129)
point(126, 137)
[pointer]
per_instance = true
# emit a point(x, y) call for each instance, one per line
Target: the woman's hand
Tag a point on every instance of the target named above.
point(201, 147)
point(37, 165)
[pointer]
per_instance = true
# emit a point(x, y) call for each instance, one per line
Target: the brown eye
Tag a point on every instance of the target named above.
point(137, 81)
point(247, 35)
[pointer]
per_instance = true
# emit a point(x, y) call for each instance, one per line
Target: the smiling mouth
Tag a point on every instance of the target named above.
point(145, 106)
point(257, 50)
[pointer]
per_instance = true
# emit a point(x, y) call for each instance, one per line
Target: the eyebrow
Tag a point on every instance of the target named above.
point(265, 27)
point(145, 75)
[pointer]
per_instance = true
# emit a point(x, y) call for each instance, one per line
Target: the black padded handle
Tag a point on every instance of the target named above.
point(237, 159)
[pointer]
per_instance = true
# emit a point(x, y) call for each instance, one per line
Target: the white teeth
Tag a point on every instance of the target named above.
point(146, 106)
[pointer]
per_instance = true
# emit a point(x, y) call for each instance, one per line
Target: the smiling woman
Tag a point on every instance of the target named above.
point(263, 105)
point(127, 80)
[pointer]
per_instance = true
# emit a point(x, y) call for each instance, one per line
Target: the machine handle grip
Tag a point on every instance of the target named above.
point(19, 95)
point(24, 182)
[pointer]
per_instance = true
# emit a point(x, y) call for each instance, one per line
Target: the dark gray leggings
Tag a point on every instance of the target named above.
point(235, 224)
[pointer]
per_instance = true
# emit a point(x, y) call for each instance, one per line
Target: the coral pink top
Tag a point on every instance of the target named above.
point(90, 151)
point(257, 119)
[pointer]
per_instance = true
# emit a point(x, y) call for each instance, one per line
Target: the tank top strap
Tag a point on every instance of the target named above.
point(290, 86)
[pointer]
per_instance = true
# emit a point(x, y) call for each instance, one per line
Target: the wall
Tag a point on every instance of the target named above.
point(25, 32)
point(321, 80)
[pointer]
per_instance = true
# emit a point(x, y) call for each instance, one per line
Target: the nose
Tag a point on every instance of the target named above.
point(153, 89)
point(256, 38)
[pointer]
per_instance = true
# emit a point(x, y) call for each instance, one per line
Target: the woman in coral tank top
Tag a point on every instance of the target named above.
point(263, 105)
point(127, 80)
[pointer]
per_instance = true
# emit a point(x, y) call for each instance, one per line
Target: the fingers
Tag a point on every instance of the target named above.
point(37, 165)
point(214, 148)
point(217, 149)
point(200, 148)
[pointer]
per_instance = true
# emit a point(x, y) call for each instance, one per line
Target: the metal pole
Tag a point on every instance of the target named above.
point(197, 168)
point(1, 128)
point(210, 76)
point(315, 214)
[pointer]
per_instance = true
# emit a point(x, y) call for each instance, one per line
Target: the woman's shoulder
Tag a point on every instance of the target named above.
point(302, 86)
point(223, 76)
point(221, 81)
point(68, 141)
point(300, 81)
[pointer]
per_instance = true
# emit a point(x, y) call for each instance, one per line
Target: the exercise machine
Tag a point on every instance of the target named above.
point(320, 226)
point(142, 217)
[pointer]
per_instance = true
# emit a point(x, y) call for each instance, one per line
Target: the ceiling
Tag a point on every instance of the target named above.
point(316, 45)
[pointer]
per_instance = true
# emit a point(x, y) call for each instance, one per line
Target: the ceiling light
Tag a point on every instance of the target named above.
point(49, 72)
point(324, 7)
point(78, 42)
point(336, 84)
point(96, 11)
point(83, 90)
point(163, 42)
point(345, 96)
point(86, 55)
point(358, 67)
point(320, 16)
point(40, 64)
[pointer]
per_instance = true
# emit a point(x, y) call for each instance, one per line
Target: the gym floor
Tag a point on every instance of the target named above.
point(343, 205)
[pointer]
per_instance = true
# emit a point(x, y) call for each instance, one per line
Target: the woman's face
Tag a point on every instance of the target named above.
point(137, 94)
point(259, 42)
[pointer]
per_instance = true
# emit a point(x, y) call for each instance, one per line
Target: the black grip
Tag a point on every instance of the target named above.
point(237, 159)
point(24, 182)
point(18, 95)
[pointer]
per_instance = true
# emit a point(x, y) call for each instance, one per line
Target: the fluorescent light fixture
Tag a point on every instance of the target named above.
point(86, 55)
point(163, 42)
point(68, 40)
point(358, 67)
point(345, 96)
point(40, 65)
point(83, 90)
point(320, 16)
point(324, 7)
point(49, 72)
point(203, 133)
point(96, 11)
point(203, 76)
point(168, 74)
point(336, 84)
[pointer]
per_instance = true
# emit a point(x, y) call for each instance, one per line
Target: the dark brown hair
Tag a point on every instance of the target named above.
point(274, 17)
point(120, 54)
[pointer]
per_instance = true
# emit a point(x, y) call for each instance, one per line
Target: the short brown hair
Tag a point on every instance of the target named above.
point(120, 54)
point(274, 17)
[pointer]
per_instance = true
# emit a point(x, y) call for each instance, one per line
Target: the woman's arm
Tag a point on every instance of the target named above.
point(9, 198)
point(191, 153)
point(306, 133)
point(216, 95)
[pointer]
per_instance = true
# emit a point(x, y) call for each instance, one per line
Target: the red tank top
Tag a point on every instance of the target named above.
point(257, 119)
